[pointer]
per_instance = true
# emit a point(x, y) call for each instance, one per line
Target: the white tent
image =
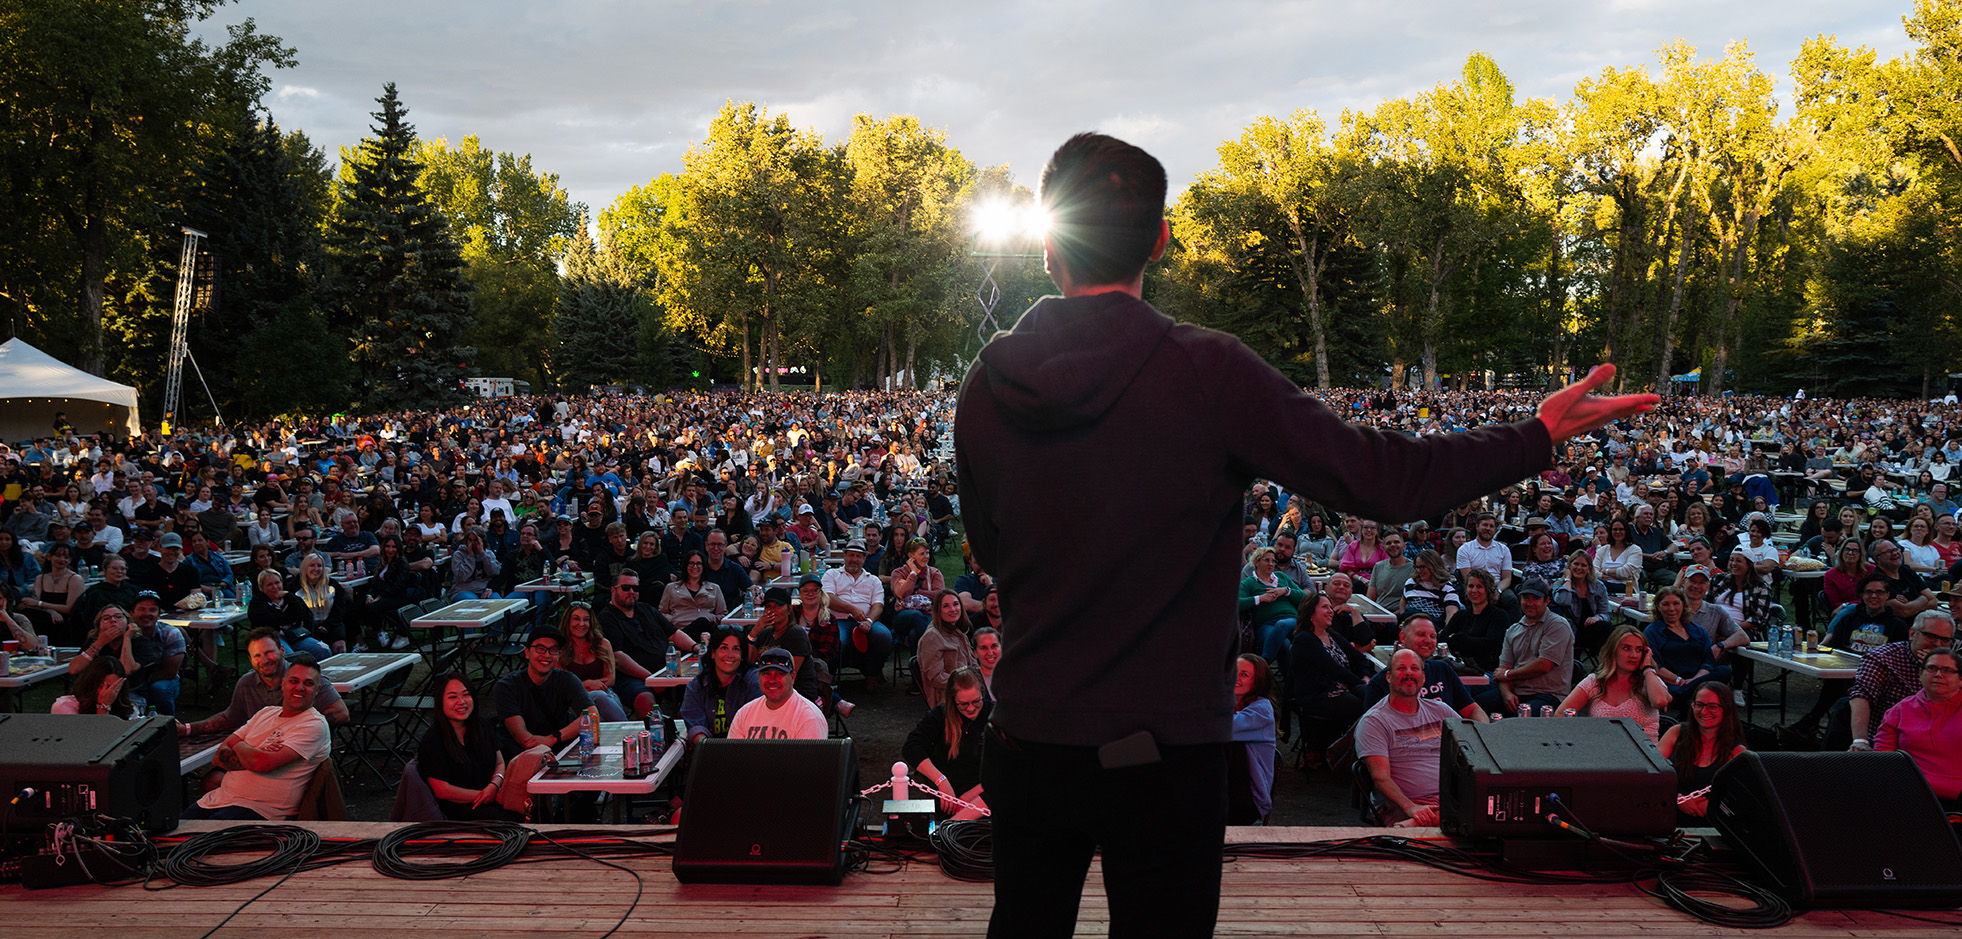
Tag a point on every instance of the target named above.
point(34, 385)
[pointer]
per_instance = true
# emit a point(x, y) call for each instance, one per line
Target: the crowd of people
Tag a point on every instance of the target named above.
point(686, 508)
point(1537, 589)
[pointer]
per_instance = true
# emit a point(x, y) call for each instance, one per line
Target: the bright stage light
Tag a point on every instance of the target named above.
point(1000, 222)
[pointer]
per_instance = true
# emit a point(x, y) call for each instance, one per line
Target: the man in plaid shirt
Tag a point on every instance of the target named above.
point(1887, 676)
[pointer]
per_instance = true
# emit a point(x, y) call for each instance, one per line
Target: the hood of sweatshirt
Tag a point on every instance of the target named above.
point(1069, 359)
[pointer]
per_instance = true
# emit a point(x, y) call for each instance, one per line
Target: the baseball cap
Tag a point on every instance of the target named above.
point(810, 579)
point(170, 540)
point(1698, 570)
point(1534, 587)
point(776, 595)
point(778, 658)
point(545, 632)
point(804, 508)
point(142, 595)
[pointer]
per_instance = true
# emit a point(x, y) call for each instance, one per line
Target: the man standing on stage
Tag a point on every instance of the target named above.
point(1121, 685)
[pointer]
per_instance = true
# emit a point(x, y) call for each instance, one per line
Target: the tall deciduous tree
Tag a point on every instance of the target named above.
point(1294, 170)
point(514, 224)
point(398, 285)
point(106, 106)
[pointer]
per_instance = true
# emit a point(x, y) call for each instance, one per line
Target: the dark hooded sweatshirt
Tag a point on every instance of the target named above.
point(1170, 423)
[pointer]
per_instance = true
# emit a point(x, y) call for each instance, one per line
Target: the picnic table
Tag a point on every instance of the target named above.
point(1826, 664)
point(468, 614)
point(27, 671)
point(562, 776)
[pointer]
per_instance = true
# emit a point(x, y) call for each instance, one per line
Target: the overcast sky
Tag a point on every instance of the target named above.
point(610, 93)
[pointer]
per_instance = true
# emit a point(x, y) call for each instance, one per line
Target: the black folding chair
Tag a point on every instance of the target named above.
point(364, 731)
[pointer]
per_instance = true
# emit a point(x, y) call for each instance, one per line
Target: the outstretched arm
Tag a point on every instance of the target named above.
point(1571, 410)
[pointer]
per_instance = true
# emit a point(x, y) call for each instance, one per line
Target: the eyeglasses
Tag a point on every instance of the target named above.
point(1941, 670)
point(1706, 706)
point(976, 703)
point(541, 647)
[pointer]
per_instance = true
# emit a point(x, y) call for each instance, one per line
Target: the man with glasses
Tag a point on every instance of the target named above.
point(1887, 676)
point(303, 541)
point(537, 711)
point(722, 572)
point(1907, 593)
point(642, 634)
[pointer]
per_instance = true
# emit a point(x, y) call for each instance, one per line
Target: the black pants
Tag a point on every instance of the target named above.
point(1161, 828)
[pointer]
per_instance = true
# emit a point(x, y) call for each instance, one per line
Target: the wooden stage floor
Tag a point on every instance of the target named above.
point(574, 897)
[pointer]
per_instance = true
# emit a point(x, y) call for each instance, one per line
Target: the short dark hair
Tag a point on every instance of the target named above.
point(303, 659)
point(1106, 203)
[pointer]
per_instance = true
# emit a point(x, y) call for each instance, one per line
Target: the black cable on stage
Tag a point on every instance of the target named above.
point(507, 841)
point(289, 846)
point(1680, 889)
point(966, 849)
point(639, 885)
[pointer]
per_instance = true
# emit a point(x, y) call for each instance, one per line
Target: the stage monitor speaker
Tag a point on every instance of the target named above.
point(1502, 780)
point(1836, 830)
point(88, 764)
point(768, 812)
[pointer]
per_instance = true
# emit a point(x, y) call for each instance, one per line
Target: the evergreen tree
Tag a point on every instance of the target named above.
point(398, 291)
point(599, 318)
point(261, 202)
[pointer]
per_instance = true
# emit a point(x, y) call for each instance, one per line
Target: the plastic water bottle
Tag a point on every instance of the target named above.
point(589, 761)
point(674, 661)
point(1791, 641)
point(245, 593)
point(702, 652)
point(657, 733)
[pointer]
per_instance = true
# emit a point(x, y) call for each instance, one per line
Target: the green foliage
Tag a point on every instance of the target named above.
point(108, 107)
point(601, 310)
point(398, 290)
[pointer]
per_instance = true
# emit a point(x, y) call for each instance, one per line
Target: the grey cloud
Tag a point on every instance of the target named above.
point(609, 93)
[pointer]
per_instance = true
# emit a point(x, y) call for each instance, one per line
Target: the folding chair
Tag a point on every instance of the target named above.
point(364, 731)
point(416, 706)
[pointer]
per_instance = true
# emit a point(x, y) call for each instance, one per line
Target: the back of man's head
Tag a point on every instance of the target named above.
point(1105, 199)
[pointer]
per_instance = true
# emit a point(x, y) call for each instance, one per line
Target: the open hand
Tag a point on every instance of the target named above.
point(1572, 410)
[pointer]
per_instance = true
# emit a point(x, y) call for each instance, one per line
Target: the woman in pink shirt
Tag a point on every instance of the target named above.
point(1928, 726)
point(1362, 554)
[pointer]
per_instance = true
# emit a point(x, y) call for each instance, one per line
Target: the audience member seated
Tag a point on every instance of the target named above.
point(538, 710)
point(1582, 600)
point(99, 688)
point(461, 763)
point(692, 603)
point(1925, 726)
point(1680, 648)
point(268, 762)
point(1325, 672)
point(1625, 684)
point(1399, 740)
point(987, 651)
point(915, 584)
point(1270, 598)
point(1419, 634)
point(1536, 662)
point(1701, 745)
point(260, 689)
point(272, 608)
point(1250, 758)
point(1486, 554)
point(640, 637)
point(726, 682)
point(945, 646)
point(1478, 631)
point(328, 604)
point(1862, 627)
point(589, 657)
point(1886, 677)
point(781, 713)
point(945, 746)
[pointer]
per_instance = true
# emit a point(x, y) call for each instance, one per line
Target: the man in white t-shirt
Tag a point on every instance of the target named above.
point(270, 760)
point(1399, 740)
point(779, 714)
point(1494, 557)
point(496, 500)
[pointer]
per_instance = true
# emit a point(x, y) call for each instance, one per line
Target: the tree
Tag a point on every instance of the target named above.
point(398, 283)
point(514, 224)
point(907, 185)
point(261, 202)
point(107, 105)
point(1295, 171)
point(599, 306)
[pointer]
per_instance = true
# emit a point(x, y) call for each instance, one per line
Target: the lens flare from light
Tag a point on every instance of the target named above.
point(998, 222)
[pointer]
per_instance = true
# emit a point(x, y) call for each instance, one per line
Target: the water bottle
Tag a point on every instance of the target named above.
point(657, 734)
point(1791, 641)
point(674, 661)
point(589, 761)
point(245, 593)
point(702, 652)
